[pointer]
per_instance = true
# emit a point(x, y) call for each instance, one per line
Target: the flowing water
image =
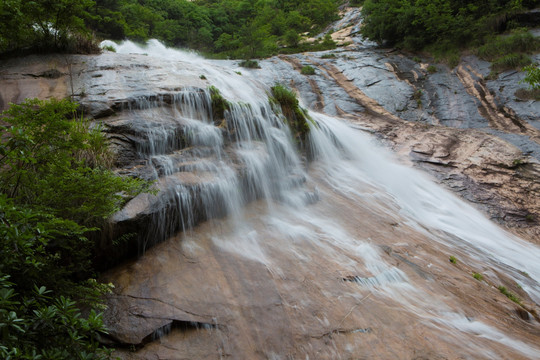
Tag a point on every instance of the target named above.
point(345, 256)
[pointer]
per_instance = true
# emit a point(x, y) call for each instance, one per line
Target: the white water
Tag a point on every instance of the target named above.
point(350, 164)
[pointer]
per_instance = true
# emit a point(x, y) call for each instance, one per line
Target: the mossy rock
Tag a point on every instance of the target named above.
point(219, 105)
point(297, 118)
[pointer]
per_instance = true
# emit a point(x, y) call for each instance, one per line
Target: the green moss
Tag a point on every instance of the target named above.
point(219, 104)
point(297, 118)
point(453, 259)
point(478, 276)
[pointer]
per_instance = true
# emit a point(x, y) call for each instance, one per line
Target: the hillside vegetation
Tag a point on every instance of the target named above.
point(225, 28)
point(440, 26)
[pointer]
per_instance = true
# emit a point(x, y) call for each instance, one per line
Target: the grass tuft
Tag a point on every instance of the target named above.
point(510, 295)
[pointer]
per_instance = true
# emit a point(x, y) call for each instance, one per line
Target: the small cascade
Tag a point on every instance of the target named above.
point(204, 166)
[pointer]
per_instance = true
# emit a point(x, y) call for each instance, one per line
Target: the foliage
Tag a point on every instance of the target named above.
point(109, 48)
point(297, 118)
point(517, 42)
point(40, 325)
point(328, 56)
point(250, 64)
point(432, 69)
point(54, 190)
point(307, 70)
point(219, 104)
point(443, 26)
point(56, 162)
point(533, 76)
point(46, 25)
point(453, 259)
point(478, 276)
point(509, 295)
point(510, 61)
point(225, 28)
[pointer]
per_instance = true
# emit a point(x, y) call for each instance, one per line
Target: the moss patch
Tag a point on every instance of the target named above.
point(219, 105)
point(297, 118)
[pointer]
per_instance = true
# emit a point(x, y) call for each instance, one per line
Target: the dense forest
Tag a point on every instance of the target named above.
point(248, 28)
point(234, 28)
point(56, 186)
point(440, 25)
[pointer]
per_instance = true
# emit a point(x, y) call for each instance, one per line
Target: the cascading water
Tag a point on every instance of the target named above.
point(282, 267)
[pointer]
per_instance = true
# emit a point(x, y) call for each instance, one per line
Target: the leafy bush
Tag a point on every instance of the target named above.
point(533, 76)
point(439, 25)
point(40, 252)
point(328, 56)
point(250, 64)
point(55, 189)
point(518, 42)
point(510, 61)
point(52, 159)
point(109, 48)
point(307, 70)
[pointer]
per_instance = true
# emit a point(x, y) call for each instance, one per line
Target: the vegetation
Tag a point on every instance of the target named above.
point(533, 76)
point(250, 64)
point(226, 28)
point(46, 25)
point(453, 259)
point(441, 27)
point(55, 191)
point(307, 70)
point(478, 276)
point(328, 56)
point(432, 69)
point(219, 104)
point(297, 118)
point(510, 295)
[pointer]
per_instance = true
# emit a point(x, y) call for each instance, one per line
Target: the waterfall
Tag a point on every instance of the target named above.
point(347, 210)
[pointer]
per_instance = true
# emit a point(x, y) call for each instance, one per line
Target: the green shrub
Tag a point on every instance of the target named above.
point(55, 188)
point(533, 76)
point(511, 61)
point(307, 70)
point(453, 259)
point(53, 159)
point(432, 69)
point(109, 48)
point(497, 47)
point(41, 325)
point(250, 64)
point(328, 56)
